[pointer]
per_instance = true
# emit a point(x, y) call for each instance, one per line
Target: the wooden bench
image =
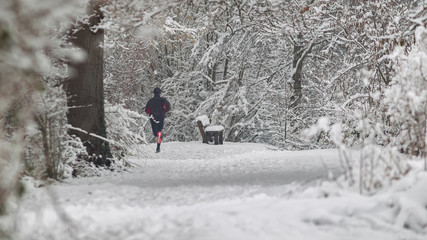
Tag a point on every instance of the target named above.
point(208, 131)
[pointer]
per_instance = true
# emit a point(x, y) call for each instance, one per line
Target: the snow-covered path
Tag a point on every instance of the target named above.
point(199, 191)
point(191, 173)
point(212, 172)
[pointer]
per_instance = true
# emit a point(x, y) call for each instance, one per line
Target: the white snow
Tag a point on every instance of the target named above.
point(206, 123)
point(214, 128)
point(204, 119)
point(231, 191)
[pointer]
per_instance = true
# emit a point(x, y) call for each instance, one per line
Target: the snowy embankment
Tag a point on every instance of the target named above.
point(230, 191)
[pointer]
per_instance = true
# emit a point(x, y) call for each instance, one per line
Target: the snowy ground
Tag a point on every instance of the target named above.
point(232, 191)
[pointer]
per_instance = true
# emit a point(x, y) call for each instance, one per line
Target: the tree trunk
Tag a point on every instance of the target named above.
point(297, 74)
point(85, 88)
point(300, 53)
point(224, 76)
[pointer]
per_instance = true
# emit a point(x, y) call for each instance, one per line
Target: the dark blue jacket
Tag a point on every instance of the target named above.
point(157, 106)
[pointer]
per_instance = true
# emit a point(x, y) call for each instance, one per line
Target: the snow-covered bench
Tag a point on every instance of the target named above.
point(207, 131)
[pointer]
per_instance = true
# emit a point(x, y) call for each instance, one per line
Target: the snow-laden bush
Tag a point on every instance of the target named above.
point(72, 153)
point(46, 141)
point(76, 162)
point(373, 167)
point(406, 99)
point(368, 169)
point(397, 123)
point(125, 129)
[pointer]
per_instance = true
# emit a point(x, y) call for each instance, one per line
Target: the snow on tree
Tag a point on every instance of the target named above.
point(28, 54)
point(265, 70)
point(406, 99)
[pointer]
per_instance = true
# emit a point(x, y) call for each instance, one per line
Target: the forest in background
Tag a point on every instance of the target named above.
point(297, 74)
point(266, 70)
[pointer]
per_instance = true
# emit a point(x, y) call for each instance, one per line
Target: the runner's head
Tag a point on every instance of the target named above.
point(157, 91)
